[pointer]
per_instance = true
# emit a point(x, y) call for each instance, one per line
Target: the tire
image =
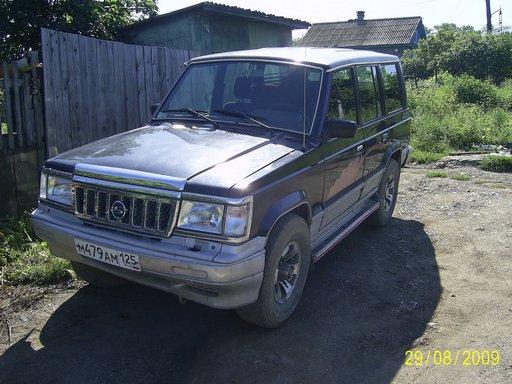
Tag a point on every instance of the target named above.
point(387, 193)
point(97, 278)
point(287, 260)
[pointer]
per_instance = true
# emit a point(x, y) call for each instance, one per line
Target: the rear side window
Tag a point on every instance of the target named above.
point(368, 88)
point(342, 102)
point(391, 87)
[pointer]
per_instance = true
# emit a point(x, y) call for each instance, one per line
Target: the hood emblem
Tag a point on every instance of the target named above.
point(118, 210)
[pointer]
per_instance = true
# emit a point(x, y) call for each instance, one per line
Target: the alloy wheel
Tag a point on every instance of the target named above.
point(389, 193)
point(287, 272)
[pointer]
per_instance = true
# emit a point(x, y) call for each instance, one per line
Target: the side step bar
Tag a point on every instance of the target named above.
point(321, 249)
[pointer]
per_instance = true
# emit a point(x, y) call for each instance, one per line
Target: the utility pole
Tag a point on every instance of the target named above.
point(488, 13)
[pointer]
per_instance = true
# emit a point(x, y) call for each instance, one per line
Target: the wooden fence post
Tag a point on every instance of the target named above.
point(8, 105)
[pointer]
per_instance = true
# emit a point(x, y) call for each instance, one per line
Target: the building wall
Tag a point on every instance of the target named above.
point(210, 33)
point(178, 34)
point(262, 35)
point(228, 33)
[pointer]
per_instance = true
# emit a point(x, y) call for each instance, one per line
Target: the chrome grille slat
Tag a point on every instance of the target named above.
point(147, 214)
point(85, 202)
point(157, 218)
point(132, 208)
point(144, 213)
point(96, 202)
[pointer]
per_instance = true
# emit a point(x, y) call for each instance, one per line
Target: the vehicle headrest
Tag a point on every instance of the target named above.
point(242, 88)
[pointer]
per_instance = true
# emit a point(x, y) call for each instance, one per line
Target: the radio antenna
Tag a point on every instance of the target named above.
point(304, 110)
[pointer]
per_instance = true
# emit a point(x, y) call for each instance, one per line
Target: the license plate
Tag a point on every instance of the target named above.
point(107, 255)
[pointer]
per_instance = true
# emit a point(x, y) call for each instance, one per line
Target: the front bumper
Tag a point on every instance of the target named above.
point(217, 275)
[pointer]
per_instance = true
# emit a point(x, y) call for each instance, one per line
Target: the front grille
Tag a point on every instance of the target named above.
point(153, 215)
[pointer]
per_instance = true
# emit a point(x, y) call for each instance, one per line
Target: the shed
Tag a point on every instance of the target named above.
point(392, 35)
point(210, 28)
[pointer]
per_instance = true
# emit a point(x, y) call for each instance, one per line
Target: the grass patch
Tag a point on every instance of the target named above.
point(25, 260)
point(496, 163)
point(3, 127)
point(426, 157)
point(460, 177)
point(459, 114)
point(497, 185)
point(437, 174)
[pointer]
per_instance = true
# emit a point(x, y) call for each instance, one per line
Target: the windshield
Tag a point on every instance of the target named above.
point(268, 93)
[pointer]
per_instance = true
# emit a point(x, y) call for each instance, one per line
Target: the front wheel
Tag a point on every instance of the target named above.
point(287, 259)
point(387, 193)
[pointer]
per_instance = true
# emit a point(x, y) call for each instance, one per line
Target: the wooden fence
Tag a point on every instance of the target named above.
point(92, 89)
point(22, 149)
point(96, 88)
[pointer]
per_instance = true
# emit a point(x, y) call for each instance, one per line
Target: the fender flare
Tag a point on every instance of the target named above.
point(392, 149)
point(280, 208)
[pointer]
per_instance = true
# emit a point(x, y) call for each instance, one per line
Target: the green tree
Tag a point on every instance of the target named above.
point(461, 51)
point(296, 41)
point(21, 20)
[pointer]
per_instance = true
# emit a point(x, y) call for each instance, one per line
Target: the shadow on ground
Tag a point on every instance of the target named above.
point(363, 306)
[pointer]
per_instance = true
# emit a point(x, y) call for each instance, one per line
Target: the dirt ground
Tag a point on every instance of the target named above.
point(438, 278)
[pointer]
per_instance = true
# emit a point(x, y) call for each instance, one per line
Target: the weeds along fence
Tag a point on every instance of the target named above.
point(83, 90)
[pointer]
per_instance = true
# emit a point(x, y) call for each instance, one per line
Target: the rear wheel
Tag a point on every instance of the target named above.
point(387, 193)
point(287, 262)
point(97, 278)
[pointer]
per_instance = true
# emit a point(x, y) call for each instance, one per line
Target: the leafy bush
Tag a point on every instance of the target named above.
point(495, 163)
point(505, 94)
point(469, 90)
point(26, 260)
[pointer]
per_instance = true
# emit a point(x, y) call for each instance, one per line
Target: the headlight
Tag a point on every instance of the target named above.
point(237, 220)
point(57, 189)
point(42, 186)
point(199, 216)
point(208, 218)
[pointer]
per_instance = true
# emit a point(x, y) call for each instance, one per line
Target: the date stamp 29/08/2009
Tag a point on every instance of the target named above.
point(447, 357)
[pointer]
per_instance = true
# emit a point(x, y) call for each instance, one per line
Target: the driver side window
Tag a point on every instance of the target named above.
point(342, 102)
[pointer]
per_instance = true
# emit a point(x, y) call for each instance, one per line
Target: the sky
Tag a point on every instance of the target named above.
point(434, 12)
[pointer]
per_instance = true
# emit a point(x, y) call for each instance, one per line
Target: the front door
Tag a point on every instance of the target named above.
point(344, 157)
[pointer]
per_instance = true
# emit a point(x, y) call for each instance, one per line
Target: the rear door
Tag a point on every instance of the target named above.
point(344, 157)
point(394, 100)
point(373, 121)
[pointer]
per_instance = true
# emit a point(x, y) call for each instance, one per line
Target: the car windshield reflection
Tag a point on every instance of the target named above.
point(268, 94)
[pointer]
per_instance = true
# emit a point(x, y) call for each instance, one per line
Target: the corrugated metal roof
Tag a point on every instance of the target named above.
point(210, 7)
point(374, 32)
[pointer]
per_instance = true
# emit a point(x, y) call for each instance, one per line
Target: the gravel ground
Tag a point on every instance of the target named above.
point(437, 278)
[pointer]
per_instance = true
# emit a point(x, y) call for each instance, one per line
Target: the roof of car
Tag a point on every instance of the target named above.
point(327, 58)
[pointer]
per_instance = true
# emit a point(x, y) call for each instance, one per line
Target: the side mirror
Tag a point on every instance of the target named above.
point(341, 128)
point(154, 107)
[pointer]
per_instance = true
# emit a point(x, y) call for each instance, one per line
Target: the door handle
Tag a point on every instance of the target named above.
point(359, 148)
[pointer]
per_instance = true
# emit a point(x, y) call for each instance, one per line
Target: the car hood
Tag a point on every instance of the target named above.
point(178, 152)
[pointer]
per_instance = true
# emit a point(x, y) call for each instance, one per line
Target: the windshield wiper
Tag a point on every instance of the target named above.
point(194, 113)
point(241, 114)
